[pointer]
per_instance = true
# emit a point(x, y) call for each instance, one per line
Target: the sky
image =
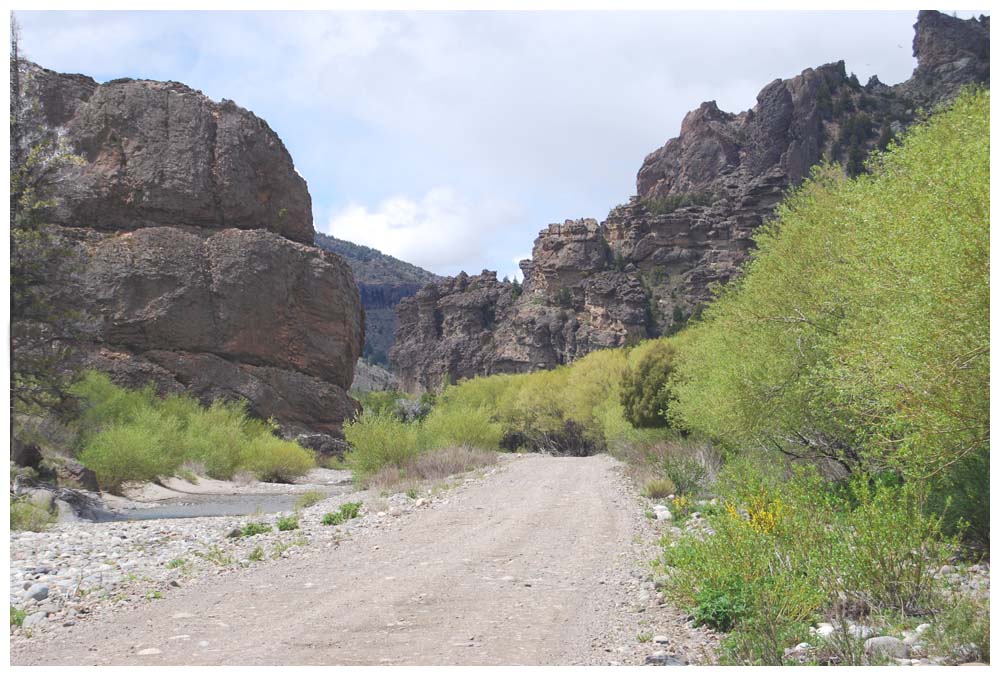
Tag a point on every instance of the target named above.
point(449, 139)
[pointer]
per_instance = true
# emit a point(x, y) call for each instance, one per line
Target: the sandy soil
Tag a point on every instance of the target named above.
point(539, 564)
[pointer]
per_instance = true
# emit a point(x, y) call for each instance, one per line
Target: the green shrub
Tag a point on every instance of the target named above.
point(645, 390)
point(139, 450)
point(859, 330)
point(347, 511)
point(255, 528)
point(25, 515)
point(459, 426)
point(256, 554)
point(377, 441)
point(273, 459)
point(308, 499)
point(290, 522)
point(787, 548)
point(687, 475)
point(133, 436)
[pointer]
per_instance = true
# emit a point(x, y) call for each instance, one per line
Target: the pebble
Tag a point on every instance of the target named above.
point(150, 651)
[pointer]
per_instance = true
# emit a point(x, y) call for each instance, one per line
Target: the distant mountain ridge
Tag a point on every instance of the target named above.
point(383, 281)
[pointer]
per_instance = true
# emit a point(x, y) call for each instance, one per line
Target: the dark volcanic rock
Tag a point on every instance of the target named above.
point(651, 264)
point(193, 260)
point(161, 153)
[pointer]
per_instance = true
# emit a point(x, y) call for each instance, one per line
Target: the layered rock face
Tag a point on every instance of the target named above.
point(652, 262)
point(192, 251)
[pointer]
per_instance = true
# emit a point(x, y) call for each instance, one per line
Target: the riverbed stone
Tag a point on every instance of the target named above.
point(37, 592)
point(888, 646)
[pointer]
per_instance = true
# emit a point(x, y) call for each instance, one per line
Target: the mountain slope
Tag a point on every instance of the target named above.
point(383, 281)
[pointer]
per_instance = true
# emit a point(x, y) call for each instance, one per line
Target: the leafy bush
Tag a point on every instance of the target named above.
point(859, 331)
point(686, 474)
point(273, 459)
point(379, 440)
point(255, 528)
point(133, 451)
point(133, 435)
point(645, 390)
point(290, 522)
point(460, 426)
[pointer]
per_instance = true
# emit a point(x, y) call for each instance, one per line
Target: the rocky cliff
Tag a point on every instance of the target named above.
point(192, 251)
point(383, 281)
point(652, 262)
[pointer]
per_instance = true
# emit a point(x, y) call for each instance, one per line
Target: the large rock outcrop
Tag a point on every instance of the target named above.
point(652, 262)
point(192, 259)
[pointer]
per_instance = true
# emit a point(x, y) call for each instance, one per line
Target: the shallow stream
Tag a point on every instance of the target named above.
point(196, 505)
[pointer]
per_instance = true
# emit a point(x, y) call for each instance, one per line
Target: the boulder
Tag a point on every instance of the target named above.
point(76, 475)
point(886, 646)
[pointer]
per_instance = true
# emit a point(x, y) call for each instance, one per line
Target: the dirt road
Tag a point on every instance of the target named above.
point(534, 566)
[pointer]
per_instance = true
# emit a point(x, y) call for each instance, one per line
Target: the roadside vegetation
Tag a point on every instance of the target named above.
point(134, 435)
point(826, 419)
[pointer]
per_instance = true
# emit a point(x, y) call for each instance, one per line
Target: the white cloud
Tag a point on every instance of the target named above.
point(441, 231)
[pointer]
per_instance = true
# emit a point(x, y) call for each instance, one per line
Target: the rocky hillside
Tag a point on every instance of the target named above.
point(652, 262)
point(383, 281)
point(192, 253)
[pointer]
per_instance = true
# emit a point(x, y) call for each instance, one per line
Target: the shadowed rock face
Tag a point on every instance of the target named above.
point(194, 263)
point(650, 264)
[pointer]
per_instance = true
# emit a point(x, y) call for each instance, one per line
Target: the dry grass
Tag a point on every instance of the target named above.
point(657, 489)
point(646, 462)
point(431, 466)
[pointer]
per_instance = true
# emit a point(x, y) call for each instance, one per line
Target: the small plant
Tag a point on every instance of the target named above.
point(309, 498)
point(214, 554)
point(280, 548)
point(255, 528)
point(347, 511)
point(176, 563)
point(17, 616)
point(290, 522)
point(657, 489)
point(687, 475)
point(644, 637)
point(681, 506)
point(256, 554)
point(154, 595)
point(412, 493)
point(650, 514)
